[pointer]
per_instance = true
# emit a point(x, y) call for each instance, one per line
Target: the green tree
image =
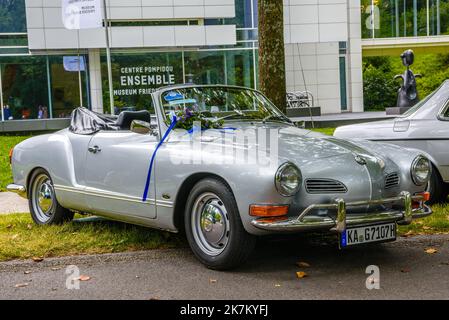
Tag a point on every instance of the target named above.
point(379, 88)
point(272, 52)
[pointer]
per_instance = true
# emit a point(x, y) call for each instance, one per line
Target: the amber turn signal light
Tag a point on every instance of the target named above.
point(425, 196)
point(257, 210)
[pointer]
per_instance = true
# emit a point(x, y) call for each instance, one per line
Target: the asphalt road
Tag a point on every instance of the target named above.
point(406, 272)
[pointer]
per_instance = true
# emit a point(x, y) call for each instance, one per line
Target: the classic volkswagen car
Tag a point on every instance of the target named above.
point(216, 184)
point(425, 126)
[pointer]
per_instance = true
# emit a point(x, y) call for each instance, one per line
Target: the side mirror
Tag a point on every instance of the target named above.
point(300, 124)
point(141, 127)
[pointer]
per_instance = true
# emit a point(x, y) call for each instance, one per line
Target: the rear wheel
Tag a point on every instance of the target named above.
point(437, 188)
point(44, 206)
point(213, 226)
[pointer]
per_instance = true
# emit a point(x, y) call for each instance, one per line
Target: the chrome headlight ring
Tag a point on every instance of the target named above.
point(421, 170)
point(288, 179)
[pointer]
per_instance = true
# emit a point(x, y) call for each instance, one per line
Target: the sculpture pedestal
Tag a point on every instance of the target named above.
point(396, 111)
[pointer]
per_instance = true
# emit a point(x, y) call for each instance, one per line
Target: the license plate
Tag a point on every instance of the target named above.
point(368, 234)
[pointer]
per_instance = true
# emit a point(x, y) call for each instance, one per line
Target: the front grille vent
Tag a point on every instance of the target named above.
point(391, 180)
point(318, 186)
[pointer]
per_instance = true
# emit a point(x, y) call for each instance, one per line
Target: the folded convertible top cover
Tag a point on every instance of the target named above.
point(87, 122)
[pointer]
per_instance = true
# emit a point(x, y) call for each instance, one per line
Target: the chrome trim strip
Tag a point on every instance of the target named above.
point(111, 195)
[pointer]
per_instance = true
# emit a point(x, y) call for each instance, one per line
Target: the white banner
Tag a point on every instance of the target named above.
point(74, 63)
point(82, 14)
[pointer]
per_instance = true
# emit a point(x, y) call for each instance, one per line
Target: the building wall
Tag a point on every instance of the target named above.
point(46, 30)
point(313, 32)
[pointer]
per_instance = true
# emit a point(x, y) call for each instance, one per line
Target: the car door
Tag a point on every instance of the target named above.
point(116, 169)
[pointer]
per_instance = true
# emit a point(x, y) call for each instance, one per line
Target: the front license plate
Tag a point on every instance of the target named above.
point(367, 234)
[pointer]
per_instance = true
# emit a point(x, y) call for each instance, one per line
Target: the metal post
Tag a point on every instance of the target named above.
point(415, 18)
point(50, 102)
point(108, 57)
point(1, 94)
point(438, 18)
point(79, 80)
point(396, 13)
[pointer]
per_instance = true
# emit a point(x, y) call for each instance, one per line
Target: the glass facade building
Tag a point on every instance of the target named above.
point(137, 73)
point(404, 18)
point(44, 86)
point(36, 86)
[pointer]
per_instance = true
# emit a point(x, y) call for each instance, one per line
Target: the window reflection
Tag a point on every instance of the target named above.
point(12, 16)
point(404, 18)
point(65, 85)
point(24, 84)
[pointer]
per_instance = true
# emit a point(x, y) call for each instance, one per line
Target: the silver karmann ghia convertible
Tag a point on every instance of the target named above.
point(242, 170)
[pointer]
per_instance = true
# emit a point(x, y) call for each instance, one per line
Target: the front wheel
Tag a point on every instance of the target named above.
point(437, 188)
point(213, 226)
point(44, 207)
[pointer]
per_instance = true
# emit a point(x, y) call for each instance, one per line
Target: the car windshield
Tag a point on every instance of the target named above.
point(436, 99)
point(228, 103)
point(417, 106)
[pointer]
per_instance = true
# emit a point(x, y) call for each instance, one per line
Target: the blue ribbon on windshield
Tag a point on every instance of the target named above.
point(174, 120)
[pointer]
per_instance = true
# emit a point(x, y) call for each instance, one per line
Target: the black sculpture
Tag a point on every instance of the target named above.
point(408, 93)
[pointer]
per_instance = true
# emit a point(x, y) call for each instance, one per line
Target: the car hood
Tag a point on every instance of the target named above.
point(372, 130)
point(289, 143)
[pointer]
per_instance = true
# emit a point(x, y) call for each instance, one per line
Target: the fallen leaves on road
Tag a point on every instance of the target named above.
point(212, 280)
point(22, 285)
point(27, 272)
point(37, 259)
point(431, 250)
point(277, 285)
point(303, 264)
point(301, 274)
point(409, 233)
point(55, 268)
point(83, 278)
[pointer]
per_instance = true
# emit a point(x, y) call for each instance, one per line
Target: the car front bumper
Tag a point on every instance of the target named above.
point(305, 221)
point(16, 188)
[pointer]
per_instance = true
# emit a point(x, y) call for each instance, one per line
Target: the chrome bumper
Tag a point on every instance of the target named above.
point(16, 188)
point(305, 221)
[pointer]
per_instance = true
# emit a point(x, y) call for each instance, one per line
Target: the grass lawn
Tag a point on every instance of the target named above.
point(20, 238)
point(6, 143)
point(328, 131)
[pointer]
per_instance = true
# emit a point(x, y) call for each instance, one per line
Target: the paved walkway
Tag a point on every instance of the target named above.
point(12, 203)
point(369, 115)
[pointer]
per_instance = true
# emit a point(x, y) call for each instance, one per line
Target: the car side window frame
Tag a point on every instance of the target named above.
point(443, 111)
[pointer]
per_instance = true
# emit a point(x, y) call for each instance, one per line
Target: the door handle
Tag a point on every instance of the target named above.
point(94, 149)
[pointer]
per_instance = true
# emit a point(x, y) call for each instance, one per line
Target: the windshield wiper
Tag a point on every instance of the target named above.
point(274, 116)
point(236, 112)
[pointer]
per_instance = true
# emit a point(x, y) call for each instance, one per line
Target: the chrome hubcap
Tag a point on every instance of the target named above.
point(210, 224)
point(43, 198)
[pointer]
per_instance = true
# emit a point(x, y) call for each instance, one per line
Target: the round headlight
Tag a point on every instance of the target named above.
point(288, 179)
point(421, 170)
